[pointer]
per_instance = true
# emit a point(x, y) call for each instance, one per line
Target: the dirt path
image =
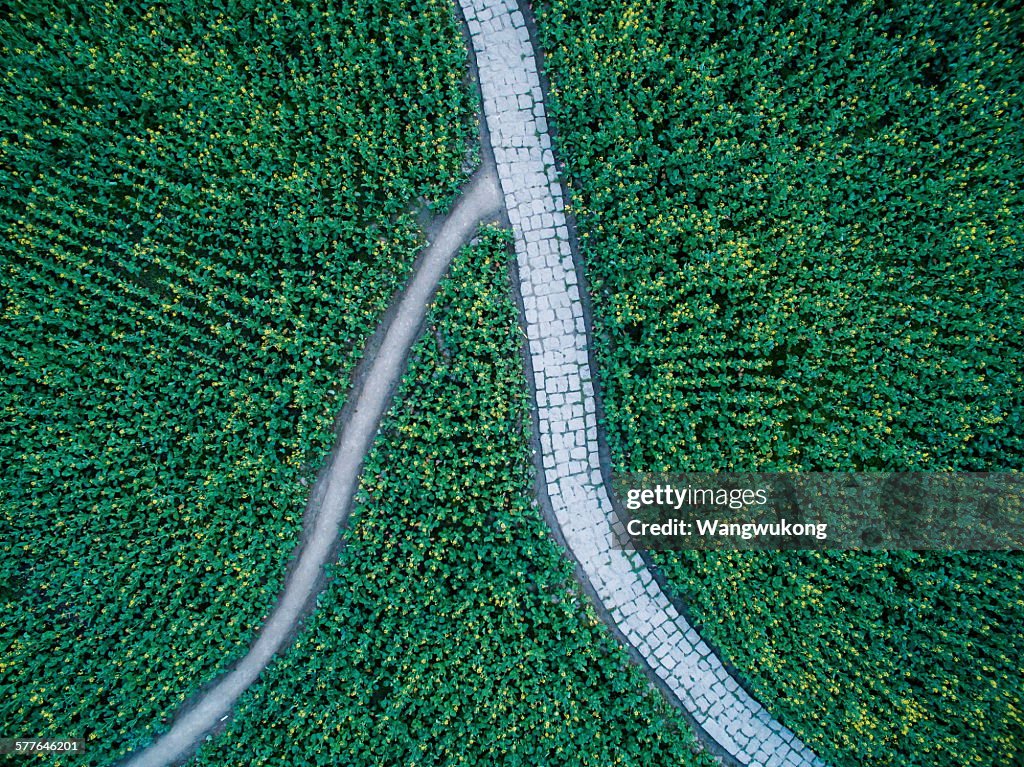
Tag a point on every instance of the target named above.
point(480, 201)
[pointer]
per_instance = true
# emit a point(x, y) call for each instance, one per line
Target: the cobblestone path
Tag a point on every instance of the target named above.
point(566, 407)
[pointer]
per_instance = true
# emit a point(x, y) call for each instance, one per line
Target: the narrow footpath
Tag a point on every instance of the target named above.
point(480, 201)
point(566, 412)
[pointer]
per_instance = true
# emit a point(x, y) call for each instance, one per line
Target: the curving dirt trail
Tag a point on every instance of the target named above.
point(481, 201)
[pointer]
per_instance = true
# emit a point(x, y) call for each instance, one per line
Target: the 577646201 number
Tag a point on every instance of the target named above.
point(40, 745)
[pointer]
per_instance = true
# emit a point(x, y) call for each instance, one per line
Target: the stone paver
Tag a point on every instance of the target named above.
point(557, 344)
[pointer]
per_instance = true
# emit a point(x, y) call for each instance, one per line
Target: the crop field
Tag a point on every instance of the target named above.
point(453, 631)
point(893, 658)
point(206, 210)
point(802, 226)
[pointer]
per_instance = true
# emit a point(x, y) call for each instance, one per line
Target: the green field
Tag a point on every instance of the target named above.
point(453, 631)
point(895, 658)
point(802, 226)
point(207, 208)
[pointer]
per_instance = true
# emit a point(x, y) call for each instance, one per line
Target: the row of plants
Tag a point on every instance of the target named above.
point(452, 631)
point(802, 225)
point(207, 208)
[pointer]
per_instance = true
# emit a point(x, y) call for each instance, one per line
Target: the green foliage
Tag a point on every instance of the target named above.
point(803, 225)
point(898, 658)
point(453, 631)
point(204, 216)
